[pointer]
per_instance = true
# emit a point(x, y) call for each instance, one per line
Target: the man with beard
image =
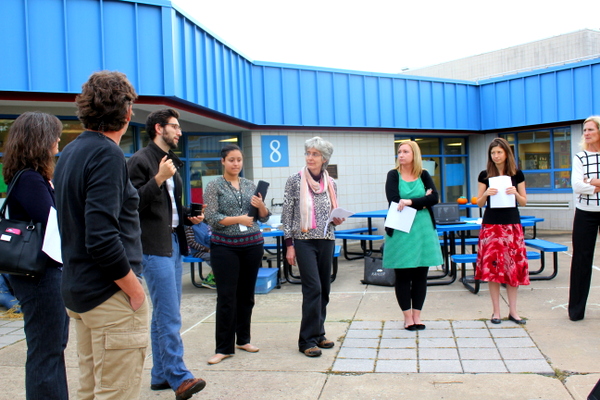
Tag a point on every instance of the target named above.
point(153, 172)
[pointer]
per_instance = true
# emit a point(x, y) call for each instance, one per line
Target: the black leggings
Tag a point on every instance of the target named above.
point(411, 287)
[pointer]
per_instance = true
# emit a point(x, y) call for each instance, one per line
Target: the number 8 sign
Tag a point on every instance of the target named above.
point(275, 151)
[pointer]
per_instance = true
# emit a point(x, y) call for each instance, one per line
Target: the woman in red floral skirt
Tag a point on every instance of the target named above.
point(502, 257)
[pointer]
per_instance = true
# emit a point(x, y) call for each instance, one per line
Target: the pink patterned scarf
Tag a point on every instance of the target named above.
point(308, 186)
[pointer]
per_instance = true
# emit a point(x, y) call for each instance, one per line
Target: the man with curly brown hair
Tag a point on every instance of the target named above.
point(101, 247)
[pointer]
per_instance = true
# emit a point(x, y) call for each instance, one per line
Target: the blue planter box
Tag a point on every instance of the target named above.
point(266, 281)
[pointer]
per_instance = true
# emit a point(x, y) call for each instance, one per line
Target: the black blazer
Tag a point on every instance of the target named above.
point(393, 194)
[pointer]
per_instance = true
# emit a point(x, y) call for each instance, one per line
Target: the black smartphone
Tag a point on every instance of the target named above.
point(195, 210)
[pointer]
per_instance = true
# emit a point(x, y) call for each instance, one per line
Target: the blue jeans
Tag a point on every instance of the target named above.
point(46, 333)
point(163, 277)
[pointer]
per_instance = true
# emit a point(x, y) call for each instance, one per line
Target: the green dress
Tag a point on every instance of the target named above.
point(418, 248)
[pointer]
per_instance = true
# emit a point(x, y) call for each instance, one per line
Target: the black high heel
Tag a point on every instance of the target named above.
point(495, 320)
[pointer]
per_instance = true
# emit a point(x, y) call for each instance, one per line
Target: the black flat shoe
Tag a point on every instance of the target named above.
point(412, 327)
point(419, 327)
point(517, 321)
point(495, 320)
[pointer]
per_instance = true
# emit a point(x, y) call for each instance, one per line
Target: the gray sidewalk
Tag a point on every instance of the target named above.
point(459, 356)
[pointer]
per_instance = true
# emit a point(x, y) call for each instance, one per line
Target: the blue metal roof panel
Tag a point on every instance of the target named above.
point(164, 52)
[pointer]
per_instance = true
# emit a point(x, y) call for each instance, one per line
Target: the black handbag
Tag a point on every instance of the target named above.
point(375, 274)
point(20, 243)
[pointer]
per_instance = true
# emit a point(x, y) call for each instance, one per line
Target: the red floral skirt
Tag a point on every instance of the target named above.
point(502, 256)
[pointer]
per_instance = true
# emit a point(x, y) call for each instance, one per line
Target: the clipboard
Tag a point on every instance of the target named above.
point(262, 189)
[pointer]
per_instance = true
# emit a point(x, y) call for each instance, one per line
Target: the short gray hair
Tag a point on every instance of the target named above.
point(323, 146)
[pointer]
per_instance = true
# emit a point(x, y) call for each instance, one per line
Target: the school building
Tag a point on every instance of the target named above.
point(52, 46)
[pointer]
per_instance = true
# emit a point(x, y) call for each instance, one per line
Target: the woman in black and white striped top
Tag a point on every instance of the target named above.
point(585, 179)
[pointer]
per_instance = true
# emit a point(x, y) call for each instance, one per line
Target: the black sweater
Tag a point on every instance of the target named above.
point(98, 220)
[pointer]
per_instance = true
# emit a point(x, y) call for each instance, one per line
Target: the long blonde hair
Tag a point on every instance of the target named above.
point(417, 159)
point(595, 119)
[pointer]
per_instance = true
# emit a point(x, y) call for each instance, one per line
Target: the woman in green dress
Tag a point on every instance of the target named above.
point(411, 254)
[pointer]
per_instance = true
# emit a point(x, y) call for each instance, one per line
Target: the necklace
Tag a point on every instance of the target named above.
point(237, 193)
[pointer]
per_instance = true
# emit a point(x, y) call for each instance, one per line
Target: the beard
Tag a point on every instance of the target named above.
point(170, 141)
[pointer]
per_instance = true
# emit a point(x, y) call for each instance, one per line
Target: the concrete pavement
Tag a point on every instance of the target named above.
point(459, 356)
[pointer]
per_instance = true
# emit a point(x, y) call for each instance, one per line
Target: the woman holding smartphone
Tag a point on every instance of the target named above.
point(237, 250)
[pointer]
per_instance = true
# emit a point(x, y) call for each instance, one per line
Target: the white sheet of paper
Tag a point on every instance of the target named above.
point(400, 220)
point(501, 200)
point(243, 228)
point(337, 213)
point(51, 245)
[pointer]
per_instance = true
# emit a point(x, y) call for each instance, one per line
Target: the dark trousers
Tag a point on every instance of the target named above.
point(314, 257)
point(585, 232)
point(411, 287)
point(46, 333)
point(235, 270)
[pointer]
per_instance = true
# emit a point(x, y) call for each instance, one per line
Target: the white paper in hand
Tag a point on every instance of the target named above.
point(501, 200)
point(337, 213)
point(51, 245)
point(400, 220)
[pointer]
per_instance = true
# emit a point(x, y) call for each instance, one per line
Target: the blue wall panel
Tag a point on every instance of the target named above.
point(273, 96)
point(413, 106)
point(400, 94)
point(595, 75)
point(548, 93)
point(371, 101)
point(309, 98)
point(356, 98)
point(437, 104)
point(325, 99)
point(532, 100)
point(582, 91)
point(517, 102)
point(386, 102)
point(47, 54)
point(425, 105)
point(258, 95)
point(341, 100)
point(292, 111)
point(120, 44)
point(564, 81)
point(450, 109)
point(14, 70)
point(150, 50)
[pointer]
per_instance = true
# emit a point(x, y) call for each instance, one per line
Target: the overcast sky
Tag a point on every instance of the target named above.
point(384, 35)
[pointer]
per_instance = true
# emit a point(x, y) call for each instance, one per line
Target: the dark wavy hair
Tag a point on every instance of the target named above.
point(104, 101)
point(29, 144)
point(160, 117)
point(510, 166)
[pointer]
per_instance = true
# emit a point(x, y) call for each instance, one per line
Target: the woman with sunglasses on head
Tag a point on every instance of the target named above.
point(32, 144)
point(236, 252)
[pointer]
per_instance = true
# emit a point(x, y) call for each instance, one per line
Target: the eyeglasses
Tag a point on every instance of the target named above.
point(176, 126)
point(309, 154)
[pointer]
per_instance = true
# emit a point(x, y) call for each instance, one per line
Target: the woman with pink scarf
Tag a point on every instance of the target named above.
point(310, 196)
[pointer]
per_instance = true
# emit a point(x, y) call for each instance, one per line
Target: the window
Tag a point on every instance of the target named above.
point(445, 159)
point(204, 161)
point(544, 156)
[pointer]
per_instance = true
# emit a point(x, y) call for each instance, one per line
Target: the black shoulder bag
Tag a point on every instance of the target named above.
point(20, 243)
